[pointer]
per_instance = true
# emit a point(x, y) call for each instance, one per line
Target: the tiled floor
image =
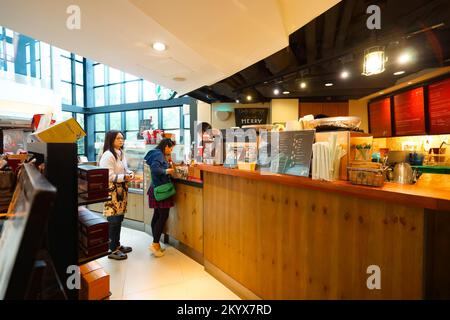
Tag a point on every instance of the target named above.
point(174, 276)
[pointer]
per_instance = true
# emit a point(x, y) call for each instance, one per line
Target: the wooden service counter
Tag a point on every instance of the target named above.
point(287, 237)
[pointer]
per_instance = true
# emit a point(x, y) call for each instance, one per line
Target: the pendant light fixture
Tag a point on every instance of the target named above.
point(374, 61)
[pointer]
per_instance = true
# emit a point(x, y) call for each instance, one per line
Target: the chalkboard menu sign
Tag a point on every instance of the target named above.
point(409, 113)
point(290, 152)
point(250, 116)
point(439, 107)
point(380, 118)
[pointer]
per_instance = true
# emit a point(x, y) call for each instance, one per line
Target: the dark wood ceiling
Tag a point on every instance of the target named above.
point(335, 41)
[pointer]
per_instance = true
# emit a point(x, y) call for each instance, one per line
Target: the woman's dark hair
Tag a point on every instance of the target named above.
point(165, 143)
point(206, 126)
point(109, 141)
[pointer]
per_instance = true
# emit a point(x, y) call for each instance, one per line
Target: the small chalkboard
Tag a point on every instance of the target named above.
point(286, 152)
point(250, 116)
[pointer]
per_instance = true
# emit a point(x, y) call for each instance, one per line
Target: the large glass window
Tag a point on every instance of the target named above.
point(149, 91)
point(153, 113)
point(100, 122)
point(99, 75)
point(115, 75)
point(79, 73)
point(171, 118)
point(66, 92)
point(115, 121)
point(131, 92)
point(132, 120)
point(115, 94)
point(65, 67)
point(71, 78)
point(99, 96)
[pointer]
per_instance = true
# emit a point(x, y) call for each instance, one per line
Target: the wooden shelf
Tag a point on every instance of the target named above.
point(85, 202)
point(83, 259)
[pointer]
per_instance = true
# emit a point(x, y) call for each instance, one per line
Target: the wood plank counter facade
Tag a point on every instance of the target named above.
point(283, 237)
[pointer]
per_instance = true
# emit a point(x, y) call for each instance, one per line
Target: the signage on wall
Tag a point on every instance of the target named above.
point(251, 116)
point(380, 118)
point(439, 107)
point(409, 113)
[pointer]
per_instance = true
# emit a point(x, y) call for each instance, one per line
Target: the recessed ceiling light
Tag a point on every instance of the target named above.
point(410, 82)
point(179, 79)
point(345, 74)
point(286, 92)
point(329, 84)
point(237, 101)
point(276, 92)
point(380, 92)
point(249, 98)
point(303, 85)
point(159, 46)
point(399, 73)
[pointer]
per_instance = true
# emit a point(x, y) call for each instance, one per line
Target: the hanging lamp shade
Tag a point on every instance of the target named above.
point(374, 61)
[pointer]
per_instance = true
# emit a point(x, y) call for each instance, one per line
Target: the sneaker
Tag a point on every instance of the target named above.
point(125, 249)
point(157, 252)
point(117, 255)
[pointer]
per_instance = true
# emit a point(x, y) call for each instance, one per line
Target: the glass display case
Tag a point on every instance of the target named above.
point(135, 152)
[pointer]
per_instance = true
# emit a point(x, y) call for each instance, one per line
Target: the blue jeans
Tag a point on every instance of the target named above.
point(115, 224)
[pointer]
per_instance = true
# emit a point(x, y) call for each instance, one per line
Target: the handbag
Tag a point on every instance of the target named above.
point(164, 191)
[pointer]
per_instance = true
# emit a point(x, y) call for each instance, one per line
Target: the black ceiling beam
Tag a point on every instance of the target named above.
point(329, 30)
point(310, 41)
point(346, 17)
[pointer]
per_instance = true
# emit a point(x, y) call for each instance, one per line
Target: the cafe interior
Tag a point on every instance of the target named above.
point(311, 158)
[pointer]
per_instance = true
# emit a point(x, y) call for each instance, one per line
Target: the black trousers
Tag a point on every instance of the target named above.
point(160, 216)
point(115, 224)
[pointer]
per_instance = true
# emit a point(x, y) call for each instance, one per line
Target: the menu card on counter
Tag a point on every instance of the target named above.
point(380, 118)
point(439, 107)
point(409, 113)
point(290, 152)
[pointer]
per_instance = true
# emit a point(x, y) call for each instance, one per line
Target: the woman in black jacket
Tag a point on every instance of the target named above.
point(160, 173)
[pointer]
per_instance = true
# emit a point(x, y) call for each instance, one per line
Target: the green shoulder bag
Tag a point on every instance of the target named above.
point(164, 191)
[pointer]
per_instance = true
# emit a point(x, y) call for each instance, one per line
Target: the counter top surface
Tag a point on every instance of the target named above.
point(432, 191)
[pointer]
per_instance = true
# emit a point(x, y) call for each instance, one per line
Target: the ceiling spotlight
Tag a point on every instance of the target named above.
point(374, 61)
point(159, 46)
point(303, 85)
point(249, 98)
point(405, 58)
point(286, 92)
point(399, 73)
point(329, 84)
point(345, 74)
point(238, 101)
point(276, 92)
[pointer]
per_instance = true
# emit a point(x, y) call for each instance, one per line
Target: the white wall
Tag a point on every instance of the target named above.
point(203, 111)
point(231, 121)
point(283, 110)
point(358, 108)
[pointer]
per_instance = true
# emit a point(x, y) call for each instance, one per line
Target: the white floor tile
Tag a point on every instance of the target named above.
point(174, 276)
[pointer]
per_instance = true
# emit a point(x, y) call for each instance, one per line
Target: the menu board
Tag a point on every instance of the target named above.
point(250, 116)
point(409, 113)
point(439, 107)
point(380, 118)
point(290, 152)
